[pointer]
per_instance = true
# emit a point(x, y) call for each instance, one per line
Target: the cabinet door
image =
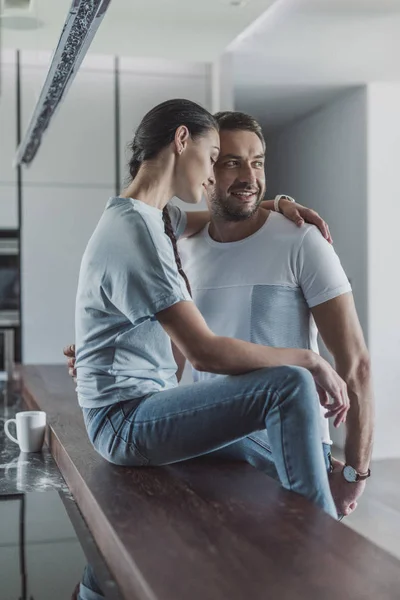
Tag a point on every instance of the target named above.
point(8, 144)
point(140, 92)
point(78, 148)
point(58, 223)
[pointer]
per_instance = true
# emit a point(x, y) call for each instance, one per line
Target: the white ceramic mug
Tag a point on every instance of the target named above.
point(31, 427)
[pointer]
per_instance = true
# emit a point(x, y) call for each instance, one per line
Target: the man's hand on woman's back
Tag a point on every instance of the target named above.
point(69, 352)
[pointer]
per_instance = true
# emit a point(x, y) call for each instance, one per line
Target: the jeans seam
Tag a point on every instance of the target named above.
point(132, 443)
point(117, 436)
point(100, 431)
point(259, 443)
point(284, 448)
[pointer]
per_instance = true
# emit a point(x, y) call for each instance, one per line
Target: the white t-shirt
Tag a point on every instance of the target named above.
point(261, 289)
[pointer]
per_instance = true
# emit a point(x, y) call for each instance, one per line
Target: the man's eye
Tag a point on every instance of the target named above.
point(259, 164)
point(232, 163)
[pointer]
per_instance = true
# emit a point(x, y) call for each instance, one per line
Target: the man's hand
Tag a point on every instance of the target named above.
point(300, 214)
point(345, 494)
point(69, 352)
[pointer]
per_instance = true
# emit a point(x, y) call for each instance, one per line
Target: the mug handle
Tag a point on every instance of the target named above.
point(7, 431)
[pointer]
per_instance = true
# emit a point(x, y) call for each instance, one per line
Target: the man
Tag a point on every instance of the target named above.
point(257, 277)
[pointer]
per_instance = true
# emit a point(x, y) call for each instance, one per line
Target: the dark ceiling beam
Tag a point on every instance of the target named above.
point(79, 29)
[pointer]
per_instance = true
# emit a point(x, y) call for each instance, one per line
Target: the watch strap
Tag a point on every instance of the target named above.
point(362, 476)
point(278, 198)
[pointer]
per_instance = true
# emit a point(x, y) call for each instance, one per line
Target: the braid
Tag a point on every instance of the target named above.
point(171, 234)
point(134, 166)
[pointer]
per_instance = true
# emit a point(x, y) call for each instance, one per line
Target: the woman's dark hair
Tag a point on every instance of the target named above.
point(155, 132)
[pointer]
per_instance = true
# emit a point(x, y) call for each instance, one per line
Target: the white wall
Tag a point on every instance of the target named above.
point(384, 270)
point(343, 161)
point(73, 174)
point(321, 160)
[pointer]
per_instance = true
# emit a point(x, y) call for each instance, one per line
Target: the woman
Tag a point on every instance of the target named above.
point(134, 299)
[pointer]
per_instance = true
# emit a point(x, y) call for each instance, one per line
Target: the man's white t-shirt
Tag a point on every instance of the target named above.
point(261, 289)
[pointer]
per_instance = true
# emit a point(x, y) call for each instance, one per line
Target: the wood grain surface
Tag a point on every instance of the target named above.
point(204, 530)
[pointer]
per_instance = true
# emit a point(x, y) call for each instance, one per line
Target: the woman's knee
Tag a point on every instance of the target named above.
point(301, 376)
point(292, 375)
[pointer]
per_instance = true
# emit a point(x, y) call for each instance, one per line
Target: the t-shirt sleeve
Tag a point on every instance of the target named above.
point(320, 273)
point(141, 277)
point(178, 219)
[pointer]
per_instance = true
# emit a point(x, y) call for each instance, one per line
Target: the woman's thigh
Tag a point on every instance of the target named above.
point(189, 421)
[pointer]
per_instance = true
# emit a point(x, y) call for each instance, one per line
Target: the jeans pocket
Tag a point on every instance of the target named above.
point(126, 453)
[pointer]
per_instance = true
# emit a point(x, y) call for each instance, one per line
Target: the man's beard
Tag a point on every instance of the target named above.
point(224, 209)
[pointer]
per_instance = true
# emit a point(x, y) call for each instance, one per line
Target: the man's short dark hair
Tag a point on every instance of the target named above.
point(230, 120)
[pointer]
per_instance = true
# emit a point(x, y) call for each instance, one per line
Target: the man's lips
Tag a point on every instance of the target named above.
point(244, 195)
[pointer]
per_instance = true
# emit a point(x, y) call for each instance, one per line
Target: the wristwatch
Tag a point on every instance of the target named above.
point(352, 476)
point(278, 197)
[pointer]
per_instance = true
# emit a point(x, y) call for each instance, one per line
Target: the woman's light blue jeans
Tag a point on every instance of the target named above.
point(194, 420)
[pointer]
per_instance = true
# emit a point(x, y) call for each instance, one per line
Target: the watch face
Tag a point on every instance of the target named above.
point(350, 474)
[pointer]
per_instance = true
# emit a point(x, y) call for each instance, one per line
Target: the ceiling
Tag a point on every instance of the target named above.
point(301, 53)
point(172, 29)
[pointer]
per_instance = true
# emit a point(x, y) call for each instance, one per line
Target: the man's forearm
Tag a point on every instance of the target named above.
point(360, 418)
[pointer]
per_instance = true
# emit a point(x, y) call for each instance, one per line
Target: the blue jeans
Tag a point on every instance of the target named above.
point(193, 420)
point(256, 450)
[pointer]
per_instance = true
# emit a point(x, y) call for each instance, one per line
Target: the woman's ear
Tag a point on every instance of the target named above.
point(182, 136)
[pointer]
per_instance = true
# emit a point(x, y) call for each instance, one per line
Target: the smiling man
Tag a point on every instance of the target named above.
point(258, 277)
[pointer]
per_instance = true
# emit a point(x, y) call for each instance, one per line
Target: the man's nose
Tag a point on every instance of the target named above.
point(247, 174)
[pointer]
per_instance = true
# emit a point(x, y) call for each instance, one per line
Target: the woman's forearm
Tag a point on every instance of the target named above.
point(230, 356)
point(268, 204)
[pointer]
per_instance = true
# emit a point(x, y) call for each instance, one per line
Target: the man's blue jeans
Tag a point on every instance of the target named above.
point(193, 420)
point(256, 450)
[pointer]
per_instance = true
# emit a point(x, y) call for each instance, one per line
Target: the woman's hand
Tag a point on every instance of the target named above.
point(330, 384)
point(300, 214)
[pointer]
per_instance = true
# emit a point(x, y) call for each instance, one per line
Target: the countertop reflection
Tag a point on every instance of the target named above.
point(46, 548)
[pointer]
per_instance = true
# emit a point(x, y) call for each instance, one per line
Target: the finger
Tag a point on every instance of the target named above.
point(337, 402)
point(71, 372)
point(315, 219)
point(69, 350)
point(339, 412)
point(336, 464)
point(323, 396)
point(339, 419)
point(71, 362)
point(297, 218)
point(329, 238)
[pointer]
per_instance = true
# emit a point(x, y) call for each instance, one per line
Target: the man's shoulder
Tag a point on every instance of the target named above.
point(281, 225)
